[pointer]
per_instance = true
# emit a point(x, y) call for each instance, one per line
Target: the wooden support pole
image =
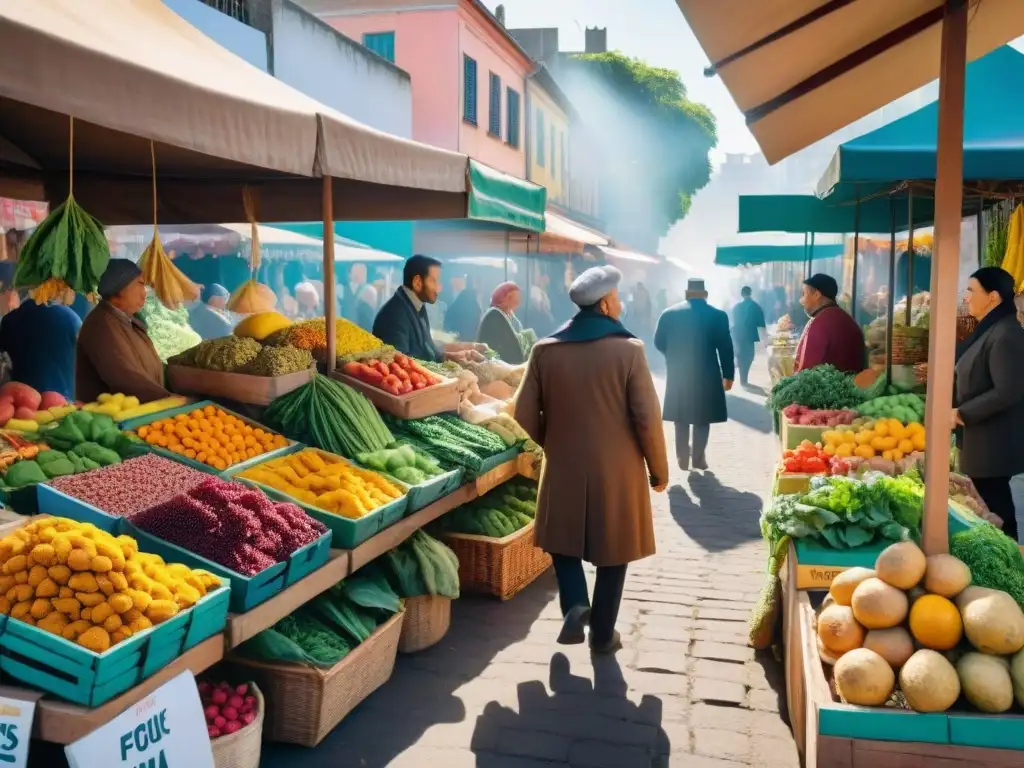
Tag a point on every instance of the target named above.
point(945, 270)
point(329, 285)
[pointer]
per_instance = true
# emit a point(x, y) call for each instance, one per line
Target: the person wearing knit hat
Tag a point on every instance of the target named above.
point(831, 336)
point(587, 397)
point(499, 326)
point(114, 352)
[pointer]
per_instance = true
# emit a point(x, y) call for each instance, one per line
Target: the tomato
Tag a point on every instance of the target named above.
point(791, 465)
point(814, 466)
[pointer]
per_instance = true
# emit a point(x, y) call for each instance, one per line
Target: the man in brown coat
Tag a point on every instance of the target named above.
point(115, 353)
point(588, 399)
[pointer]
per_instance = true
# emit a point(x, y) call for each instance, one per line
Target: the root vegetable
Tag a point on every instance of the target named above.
point(211, 713)
point(232, 726)
point(219, 697)
point(220, 721)
point(236, 701)
point(213, 731)
point(230, 713)
point(248, 718)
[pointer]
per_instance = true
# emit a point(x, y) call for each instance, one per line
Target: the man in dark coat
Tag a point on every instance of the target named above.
point(694, 337)
point(747, 319)
point(402, 322)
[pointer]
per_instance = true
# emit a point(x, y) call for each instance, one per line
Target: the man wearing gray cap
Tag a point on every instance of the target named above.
point(115, 353)
point(588, 399)
point(695, 339)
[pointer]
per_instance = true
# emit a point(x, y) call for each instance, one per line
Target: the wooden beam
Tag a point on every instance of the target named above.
point(945, 272)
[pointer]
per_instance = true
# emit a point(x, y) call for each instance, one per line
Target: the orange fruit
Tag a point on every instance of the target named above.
point(935, 623)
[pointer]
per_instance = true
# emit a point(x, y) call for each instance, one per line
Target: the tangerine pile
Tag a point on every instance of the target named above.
point(210, 436)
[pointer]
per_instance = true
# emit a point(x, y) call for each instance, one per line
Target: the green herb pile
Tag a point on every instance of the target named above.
point(452, 441)
point(994, 558)
point(820, 388)
point(422, 565)
point(169, 329)
point(844, 512)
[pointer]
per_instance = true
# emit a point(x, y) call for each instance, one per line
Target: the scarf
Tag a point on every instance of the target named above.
point(589, 325)
point(1005, 309)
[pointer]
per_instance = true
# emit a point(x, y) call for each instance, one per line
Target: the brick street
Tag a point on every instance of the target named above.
point(684, 691)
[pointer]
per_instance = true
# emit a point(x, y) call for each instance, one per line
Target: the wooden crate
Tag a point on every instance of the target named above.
point(499, 567)
point(440, 398)
point(238, 387)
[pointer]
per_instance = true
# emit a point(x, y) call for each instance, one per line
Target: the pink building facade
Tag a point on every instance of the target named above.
point(468, 74)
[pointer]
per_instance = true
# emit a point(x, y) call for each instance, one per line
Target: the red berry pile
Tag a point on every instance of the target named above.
point(227, 708)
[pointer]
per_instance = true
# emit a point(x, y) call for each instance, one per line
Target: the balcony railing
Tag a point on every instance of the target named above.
point(236, 9)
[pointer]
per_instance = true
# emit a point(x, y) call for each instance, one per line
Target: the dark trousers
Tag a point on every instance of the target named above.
point(999, 499)
point(572, 591)
point(701, 432)
point(744, 359)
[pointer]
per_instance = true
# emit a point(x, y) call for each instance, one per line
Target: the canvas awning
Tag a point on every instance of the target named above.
point(567, 229)
point(503, 199)
point(742, 251)
point(807, 213)
point(905, 149)
point(624, 255)
point(135, 72)
point(800, 70)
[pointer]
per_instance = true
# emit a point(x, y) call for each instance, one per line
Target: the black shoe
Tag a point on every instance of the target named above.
point(684, 463)
point(610, 647)
point(574, 626)
point(700, 463)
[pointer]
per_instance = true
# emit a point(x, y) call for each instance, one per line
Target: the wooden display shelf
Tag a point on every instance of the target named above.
point(62, 723)
point(495, 477)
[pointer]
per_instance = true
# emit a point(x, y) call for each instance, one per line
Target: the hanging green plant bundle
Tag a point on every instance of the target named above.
point(67, 252)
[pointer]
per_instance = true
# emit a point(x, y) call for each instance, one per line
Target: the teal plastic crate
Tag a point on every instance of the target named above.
point(22, 500)
point(306, 560)
point(882, 724)
point(246, 591)
point(209, 616)
point(1004, 731)
point(133, 424)
point(498, 460)
point(809, 552)
point(425, 494)
point(59, 504)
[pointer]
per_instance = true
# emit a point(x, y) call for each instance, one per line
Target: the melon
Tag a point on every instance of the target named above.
point(929, 682)
point(971, 593)
point(894, 645)
point(902, 565)
point(838, 629)
point(1017, 675)
point(864, 678)
point(827, 657)
point(935, 623)
point(986, 682)
point(993, 621)
point(843, 585)
point(877, 605)
point(946, 575)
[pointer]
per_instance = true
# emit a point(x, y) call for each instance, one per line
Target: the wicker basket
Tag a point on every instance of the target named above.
point(909, 345)
point(427, 619)
point(241, 749)
point(305, 704)
point(499, 567)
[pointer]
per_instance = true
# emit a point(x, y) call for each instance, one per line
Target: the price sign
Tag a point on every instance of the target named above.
point(165, 730)
point(15, 731)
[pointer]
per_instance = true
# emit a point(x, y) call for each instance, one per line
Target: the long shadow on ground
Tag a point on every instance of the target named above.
point(422, 691)
point(749, 413)
point(717, 516)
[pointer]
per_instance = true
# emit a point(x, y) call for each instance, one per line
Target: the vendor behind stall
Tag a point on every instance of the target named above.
point(114, 352)
point(40, 340)
point(500, 328)
point(831, 336)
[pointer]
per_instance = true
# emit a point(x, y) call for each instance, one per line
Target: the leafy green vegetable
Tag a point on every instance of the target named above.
point(821, 388)
point(993, 557)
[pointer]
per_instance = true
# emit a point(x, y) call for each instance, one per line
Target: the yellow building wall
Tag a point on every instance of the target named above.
point(540, 170)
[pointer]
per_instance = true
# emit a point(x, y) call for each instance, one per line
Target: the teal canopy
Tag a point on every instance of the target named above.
point(806, 213)
point(740, 255)
point(905, 149)
point(503, 199)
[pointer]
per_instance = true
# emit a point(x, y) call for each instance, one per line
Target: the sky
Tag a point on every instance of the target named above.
point(652, 30)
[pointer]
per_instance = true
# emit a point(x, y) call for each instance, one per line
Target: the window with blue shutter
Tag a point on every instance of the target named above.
point(540, 138)
point(494, 107)
point(469, 89)
point(512, 127)
point(554, 161)
point(381, 43)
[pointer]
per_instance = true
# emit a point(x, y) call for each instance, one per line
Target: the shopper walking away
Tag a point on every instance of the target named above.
point(694, 337)
point(747, 321)
point(588, 399)
point(831, 336)
point(989, 396)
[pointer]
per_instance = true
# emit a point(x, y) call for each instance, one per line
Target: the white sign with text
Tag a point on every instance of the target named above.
point(165, 730)
point(15, 731)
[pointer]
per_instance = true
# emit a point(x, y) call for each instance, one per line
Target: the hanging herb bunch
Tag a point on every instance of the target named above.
point(67, 253)
point(997, 236)
point(252, 296)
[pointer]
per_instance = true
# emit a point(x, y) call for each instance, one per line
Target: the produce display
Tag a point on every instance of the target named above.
point(14, 447)
point(68, 251)
point(403, 462)
point(74, 580)
point(820, 388)
point(994, 558)
point(227, 708)
point(211, 436)
point(325, 630)
point(450, 439)
point(123, 408)
point(906, 408)
point(922, 619)
point(168, 329)
point(131, 486)
point(498, 513)
point(963, 492)
point(243, 354)
point(231, 524)
point(801, 414)
point(421, 565)
point(843, 512)
point(261, 325)
point(311, 335)
point(888, 438)
point(326, 482)
point(169, 283)
point(331, 416)
point(22, 408)
point(401, 377)
point(806, 458)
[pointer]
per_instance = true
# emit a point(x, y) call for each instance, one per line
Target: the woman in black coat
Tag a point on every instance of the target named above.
point(990, 394)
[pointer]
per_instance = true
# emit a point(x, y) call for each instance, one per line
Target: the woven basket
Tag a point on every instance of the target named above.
point(305, 704)
point(498, 567)
point(909, 345)
point(427, 619)
point(241, 749)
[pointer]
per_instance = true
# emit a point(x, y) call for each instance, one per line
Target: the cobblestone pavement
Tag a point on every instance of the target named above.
point(685, 690)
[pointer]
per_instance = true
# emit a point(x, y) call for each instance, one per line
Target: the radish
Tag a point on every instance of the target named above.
point(232, 726)
point(248, 718)
point(214, 732)
point(219, 697)
point(236, 701)
point(251, 701)
point(211, 712)
point(230, 713)
point(220, 721)
point(242, 689)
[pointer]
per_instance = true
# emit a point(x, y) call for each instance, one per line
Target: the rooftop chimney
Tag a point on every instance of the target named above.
point(499, 14)
point(596, 40)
